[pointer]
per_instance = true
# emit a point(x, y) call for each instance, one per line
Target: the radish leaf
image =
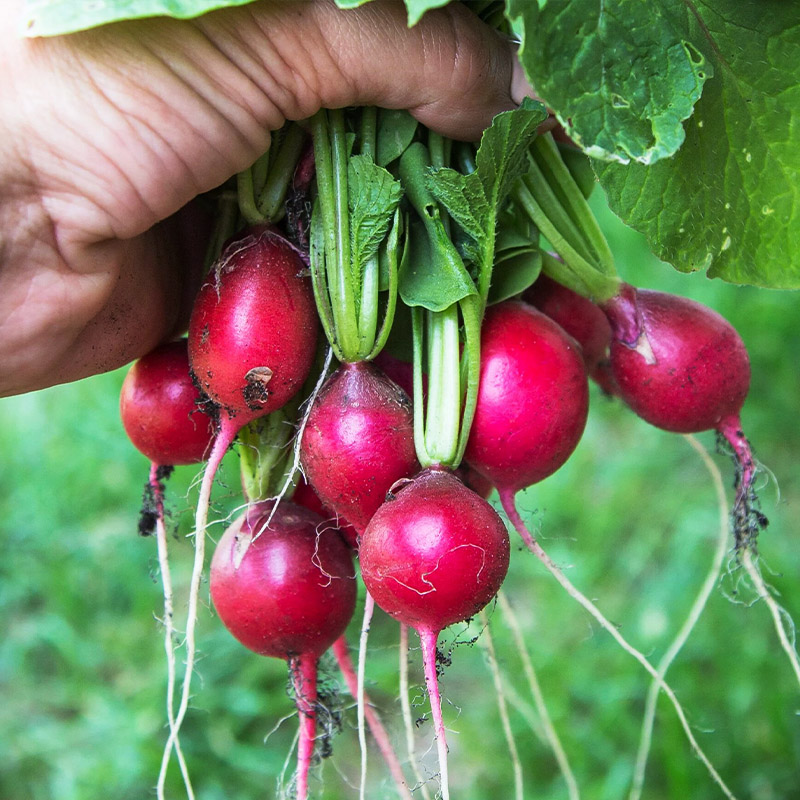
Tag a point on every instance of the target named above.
point(620, 76)
point(729, 201)
point(55, 17)
point(373, 196)
point(396, 131)
point(432, 274)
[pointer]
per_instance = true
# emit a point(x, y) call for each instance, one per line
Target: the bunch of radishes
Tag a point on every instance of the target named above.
point(403, 222)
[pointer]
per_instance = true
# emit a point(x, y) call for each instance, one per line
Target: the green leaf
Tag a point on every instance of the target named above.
point(465, 199)
point(514, 274)
point(55, 17)
point(729, 201)
point(416, 9)
point(396, 131)
point(620, 76)
point(432, 274)
point(373, 195)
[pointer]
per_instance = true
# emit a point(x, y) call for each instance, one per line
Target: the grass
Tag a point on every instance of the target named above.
point(631, 516)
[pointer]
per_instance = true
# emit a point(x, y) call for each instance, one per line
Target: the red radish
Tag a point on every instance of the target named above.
point(683, 368)
point(286, 588)
point(253, 330)
point(533, 398)
point(358, 441)
point(582, 319)
point(434, 554)
point(161, 408)
point(532, 406)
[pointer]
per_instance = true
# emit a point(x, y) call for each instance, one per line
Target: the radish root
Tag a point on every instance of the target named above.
point(548, 730)
point(696, 610)
point(507, 500)
point(408, 721)
point(342, 655)
point(157, 489)
point(491, 659)
point(222, 442)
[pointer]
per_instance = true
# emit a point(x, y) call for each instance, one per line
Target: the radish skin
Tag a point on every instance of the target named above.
point(434, 554)
point(286, 591)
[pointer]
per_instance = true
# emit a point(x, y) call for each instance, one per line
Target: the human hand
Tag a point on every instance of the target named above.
point(107, 134)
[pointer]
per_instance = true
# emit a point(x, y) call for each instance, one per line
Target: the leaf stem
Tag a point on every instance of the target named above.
point(442, 419)
point(577, 273)
point(547, 155)
point(247, 200)
point(281, 170)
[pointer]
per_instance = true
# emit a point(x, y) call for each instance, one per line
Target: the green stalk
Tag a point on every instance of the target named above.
point(343, 277)
point(417, 326)
point(391, 300)
point(472, 313)
point(330, 157)
point(318, 282)
point(225, 224)
point(370, 272)
point(368, 142)
point(272, 194)
point(579, 275)
point(602, 288)
point(264, 452)
point(261, 169)
point(551, 205)
point(546, 154)
point(247, 200)
point(444, 387)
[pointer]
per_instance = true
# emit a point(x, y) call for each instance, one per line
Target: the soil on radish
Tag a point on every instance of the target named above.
point(148, 513)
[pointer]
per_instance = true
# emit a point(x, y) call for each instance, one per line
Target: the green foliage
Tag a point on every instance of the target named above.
point(54, 17)
point(729, 201)
point(474, 200)
point(626, 79)
point(620, 76)
point(396, 131)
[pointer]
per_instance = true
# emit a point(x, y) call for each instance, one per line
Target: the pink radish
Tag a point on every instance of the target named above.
point(434, 554)
point(253, 329)
point(683, 368)
point(532, 404)
point(286, 588)
point(582, 320)
point(161, 408)
point(358, 441)
point(533, 398)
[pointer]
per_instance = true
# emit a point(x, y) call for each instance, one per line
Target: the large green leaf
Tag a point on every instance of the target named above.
point(621, 76)
point(54, 17)
point(729, 201)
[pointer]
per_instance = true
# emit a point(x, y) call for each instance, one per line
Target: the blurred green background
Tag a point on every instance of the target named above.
point(632, 518)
